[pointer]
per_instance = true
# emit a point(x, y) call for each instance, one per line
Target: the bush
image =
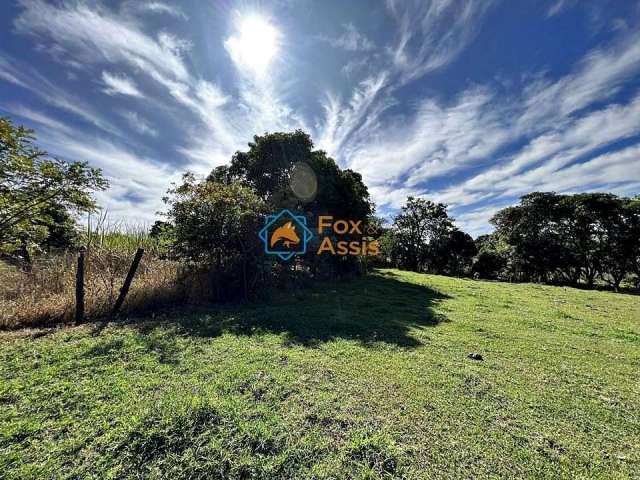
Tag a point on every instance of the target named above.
point(214, 229)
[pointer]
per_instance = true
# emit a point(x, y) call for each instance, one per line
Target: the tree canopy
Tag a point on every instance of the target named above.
point(267, 166)
point(424, 238)
point(39, 193)
point(569, 238)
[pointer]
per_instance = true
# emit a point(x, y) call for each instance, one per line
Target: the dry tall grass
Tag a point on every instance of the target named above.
point(45, 295)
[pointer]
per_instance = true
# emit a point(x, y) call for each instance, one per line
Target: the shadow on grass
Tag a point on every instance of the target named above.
point(375, 308)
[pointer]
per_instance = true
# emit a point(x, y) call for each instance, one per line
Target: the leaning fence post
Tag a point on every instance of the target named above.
point(80, 288)
point(127, 281)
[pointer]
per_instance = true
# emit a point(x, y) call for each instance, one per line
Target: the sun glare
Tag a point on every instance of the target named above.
point(254, 45)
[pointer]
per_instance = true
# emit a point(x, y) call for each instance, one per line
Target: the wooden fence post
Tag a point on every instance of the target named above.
point(127, 281)
point(80, 288)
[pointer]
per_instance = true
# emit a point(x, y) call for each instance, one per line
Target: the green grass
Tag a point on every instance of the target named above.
point(365, 379)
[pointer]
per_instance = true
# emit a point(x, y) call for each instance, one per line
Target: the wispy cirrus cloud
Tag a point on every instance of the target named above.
point(351, 40)
point(36, 116)
point(30, 79)
point(558, 128)
point(119, 85)
point(475, 221)
point(433, 141)
point(597, 77)
point(136, 181)
point(431, 34)
point(94, 34)
point(343, 121)
point(558, 6)
point(160, 7)
point(550, 124)
point(139, 124)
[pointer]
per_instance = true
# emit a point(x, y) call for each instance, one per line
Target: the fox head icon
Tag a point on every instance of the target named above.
point(287, 233)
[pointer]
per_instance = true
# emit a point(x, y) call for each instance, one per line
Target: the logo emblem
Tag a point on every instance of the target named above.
point(285, 234)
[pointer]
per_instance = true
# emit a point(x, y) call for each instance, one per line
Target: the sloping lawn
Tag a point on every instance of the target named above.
point(361, 379)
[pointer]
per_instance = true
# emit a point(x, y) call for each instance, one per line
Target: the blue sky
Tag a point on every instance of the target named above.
point(470, 103)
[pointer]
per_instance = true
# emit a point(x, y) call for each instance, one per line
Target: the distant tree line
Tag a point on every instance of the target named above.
point(550, 238)
point(564, 239)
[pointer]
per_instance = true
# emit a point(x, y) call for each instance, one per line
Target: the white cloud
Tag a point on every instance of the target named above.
point(439, 29)
point(393, 197)
point(430, 35)
point(476, 222)
point(548, 153)
point(351, 40)
point(436, 140)
point(342, 122)
point(30, 79)
point(97, 35)
point(618, 167)
point(550, 123)
point(129, 175)
point(159, 7)
point(559, 6)
point(599, 75)
point(119, 85)
point(37, 117)
point(139, 124)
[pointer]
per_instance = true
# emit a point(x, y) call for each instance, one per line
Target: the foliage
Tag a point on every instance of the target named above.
point(38, 193)
point(569, 238)
point(213, 220)
point(423, 238)
point(492, 258)
point(452, 253)
point(215, 225)
point(419, 225)
point(266, 168)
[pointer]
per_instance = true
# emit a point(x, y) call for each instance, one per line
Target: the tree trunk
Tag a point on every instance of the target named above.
point(26, 256)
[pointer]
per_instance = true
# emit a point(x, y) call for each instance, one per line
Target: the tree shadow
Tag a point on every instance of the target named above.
point(380, 307)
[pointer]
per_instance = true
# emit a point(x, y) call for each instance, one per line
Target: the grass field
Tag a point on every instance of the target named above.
point(362, 379)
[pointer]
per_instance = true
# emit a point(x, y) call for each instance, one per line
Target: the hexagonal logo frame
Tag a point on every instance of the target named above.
point(272, 220)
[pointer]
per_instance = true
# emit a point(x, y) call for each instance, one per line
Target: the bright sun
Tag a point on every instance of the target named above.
point(254, 45)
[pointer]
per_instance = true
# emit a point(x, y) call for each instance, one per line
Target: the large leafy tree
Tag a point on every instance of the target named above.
point(419, 228)
point(593, 222)
point(492, 258)
point(453, 253)
point(38, 193)
point(621, 240)
point(632, 209)
point(212, 221)
point(534, 230)
point(266, 168)
point(571, 237)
